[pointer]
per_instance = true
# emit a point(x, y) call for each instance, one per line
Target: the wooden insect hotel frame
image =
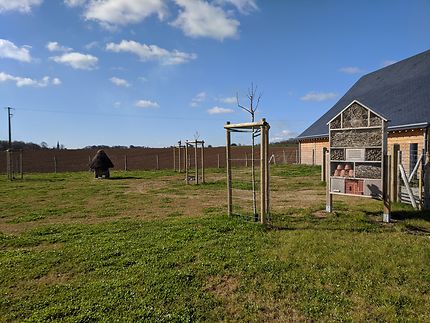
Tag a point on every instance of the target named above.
point(263, 127)
point(189, 145)
point(356, 160)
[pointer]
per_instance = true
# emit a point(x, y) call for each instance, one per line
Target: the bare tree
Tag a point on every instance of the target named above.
point(254, 101)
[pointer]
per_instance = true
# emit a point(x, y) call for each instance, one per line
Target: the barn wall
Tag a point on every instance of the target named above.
point(405, 139)
point(311, 151)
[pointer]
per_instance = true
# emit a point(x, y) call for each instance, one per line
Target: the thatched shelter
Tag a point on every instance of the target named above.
point(101, 164)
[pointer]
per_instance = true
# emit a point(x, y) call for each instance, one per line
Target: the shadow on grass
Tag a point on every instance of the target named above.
point(125, 177)
point(410, 215)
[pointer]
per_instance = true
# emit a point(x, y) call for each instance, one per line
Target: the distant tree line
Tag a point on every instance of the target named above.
point(21, 145)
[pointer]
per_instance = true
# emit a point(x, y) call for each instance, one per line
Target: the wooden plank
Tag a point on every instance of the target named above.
point(411, 175)
point(246, 125)
point(408, 188)
point(203, 162)
point(324, 165)
point(394, 172)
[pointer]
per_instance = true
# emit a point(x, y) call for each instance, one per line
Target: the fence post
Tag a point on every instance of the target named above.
point(398, 176)
point(157, 162)
point(218, 160)
point(246, 159)
point(174, 159)
point(285, 156)
point(324, 165)
point(21, 170)
point(386, 189)
point(55, 164)
point(125, 163)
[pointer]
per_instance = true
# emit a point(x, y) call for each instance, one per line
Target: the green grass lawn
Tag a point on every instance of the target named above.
point(144, 246)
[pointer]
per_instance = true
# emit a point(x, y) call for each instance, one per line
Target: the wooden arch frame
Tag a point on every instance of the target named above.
point(264, 127)
point(196, 144)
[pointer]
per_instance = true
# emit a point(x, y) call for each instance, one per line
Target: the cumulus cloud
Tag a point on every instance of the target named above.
point(54, 46)
point(201, 19)
point(351, 70)
point(9, 50)
point(146, 104)
point(318, 96)
point(75, 3)
point(219, 110)
point(77, 60)
point(56, 81)
point(229, 100)
point(244, 6)
point(199, 98)
point(26, 81)
point(119, 82)
point(151, 52)
point(23, 6)
point(122, 12)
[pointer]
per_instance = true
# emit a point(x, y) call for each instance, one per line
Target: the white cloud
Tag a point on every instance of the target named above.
point(229, 100)
point(54, 46)
point(199, 98)
point(75, 3)
point(151, 52)
point(244, 6)
point(56, 81)
point(10, 50)
point(351, 70)
point(92, 45)
point(202, 19)
point(318, 96)
point(26, 81)
point(147, 104)
point(119, 82)
point(388, 62)
point(23, 6)
point(219, 110)
point(111, 13)
point(77, 60)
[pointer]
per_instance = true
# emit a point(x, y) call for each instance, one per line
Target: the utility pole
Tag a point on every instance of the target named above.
point(9, 115)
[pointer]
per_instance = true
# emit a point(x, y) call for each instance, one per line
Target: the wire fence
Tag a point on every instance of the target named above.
point(52, 160)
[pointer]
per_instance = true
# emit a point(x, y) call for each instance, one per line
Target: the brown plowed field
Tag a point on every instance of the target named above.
point(43, 161)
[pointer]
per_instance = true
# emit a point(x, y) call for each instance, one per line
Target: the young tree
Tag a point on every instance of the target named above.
point(254, 101)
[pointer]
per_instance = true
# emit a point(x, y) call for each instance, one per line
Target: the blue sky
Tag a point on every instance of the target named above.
point(152, 72)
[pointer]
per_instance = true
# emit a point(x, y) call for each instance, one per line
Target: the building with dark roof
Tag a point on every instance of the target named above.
point(400, 93)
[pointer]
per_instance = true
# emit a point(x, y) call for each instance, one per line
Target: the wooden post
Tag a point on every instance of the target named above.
point(174, 159)
point(8, 165)
point(285, 156)
point(186, 162)
point(196, 164)
point(398, 176)
point(329, 196)
point(420, 181)
point(324, 165)
point(267, 165)
point(203, 162)
point(55, 164)
point(274, 159)
point(246, 159)
point(394, 171)
point(21, 170)
point(229, 179)
point(157, 162)
point(297, 156)
point(427, 182)
point(262, 175)
point(125, 163)
point(218, 161)
point(179, 156)
point(386, 188)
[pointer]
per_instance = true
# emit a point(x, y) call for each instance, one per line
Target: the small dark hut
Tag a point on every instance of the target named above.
point(101, 164)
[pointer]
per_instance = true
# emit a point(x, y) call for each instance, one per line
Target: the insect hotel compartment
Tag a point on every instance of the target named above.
point(343, 169)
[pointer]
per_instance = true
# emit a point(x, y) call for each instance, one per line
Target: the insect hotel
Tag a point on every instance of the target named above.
point(357, 164)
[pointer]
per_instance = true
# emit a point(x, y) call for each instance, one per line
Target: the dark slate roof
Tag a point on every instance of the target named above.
point(400, 92)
